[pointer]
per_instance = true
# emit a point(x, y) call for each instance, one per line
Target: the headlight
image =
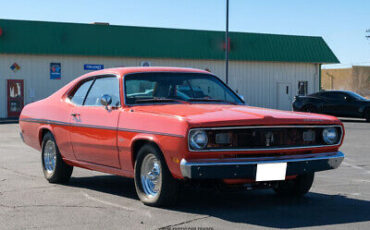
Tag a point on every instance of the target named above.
point(330, 135)
point(198, 139)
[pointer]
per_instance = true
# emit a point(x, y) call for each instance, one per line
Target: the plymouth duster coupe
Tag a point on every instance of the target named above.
point(166, 126)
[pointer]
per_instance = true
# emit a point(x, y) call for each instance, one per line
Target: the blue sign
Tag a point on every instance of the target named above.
point(55, 71)
point(93, 67)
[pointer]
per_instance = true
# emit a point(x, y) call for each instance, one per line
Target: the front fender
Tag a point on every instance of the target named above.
point(171, 147)
point(363, 110)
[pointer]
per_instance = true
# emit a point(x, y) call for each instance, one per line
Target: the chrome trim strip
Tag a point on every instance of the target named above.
point(267, 126)
point(150, 132)
point(252, 160)
point(262, 127)
point(186, 165)
point(45, 121)
point(52, 122)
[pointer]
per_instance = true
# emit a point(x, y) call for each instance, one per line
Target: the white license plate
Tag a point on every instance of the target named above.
point(271, 171)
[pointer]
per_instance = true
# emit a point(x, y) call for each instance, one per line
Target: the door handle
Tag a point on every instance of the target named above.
point(75, 114)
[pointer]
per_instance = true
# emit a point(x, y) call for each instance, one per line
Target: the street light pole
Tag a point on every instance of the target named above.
point(227, 43)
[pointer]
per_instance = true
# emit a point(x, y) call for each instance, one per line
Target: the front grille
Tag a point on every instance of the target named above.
point(252, 138)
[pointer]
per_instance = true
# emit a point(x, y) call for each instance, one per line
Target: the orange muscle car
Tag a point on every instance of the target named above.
point(167, 126)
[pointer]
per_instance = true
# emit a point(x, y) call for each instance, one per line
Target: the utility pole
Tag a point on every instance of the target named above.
point(227, 43)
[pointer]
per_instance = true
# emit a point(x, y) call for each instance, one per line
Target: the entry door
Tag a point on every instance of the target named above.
point(284, 98)
point(15, 94)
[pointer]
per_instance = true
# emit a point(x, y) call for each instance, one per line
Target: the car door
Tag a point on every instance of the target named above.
point(336, 104)
point(326, 101)
point(352, 106)
point(94, 135)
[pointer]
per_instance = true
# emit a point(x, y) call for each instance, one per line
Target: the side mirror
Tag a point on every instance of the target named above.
point(106, 100)
point(242, 97)
point(348, 99)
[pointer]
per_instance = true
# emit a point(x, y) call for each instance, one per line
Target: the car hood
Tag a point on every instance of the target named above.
point(230, 115)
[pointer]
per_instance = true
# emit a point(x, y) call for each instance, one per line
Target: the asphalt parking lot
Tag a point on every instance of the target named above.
point(339, 199)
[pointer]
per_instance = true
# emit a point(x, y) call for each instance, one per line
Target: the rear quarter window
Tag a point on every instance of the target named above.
point(80, 94)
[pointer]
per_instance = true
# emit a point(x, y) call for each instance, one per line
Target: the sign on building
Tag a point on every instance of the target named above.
point(93, 67)
point(145, 63)
point(55, 71)
point(15, 67)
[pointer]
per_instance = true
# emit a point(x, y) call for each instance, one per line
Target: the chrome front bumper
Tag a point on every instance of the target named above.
point(246, 167)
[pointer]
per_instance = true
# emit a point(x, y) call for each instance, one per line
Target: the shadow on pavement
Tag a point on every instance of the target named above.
point(260, 207)
point(264, 208)
point(111, 184)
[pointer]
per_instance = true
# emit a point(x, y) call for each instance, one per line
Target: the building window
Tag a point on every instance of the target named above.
point(302, 88)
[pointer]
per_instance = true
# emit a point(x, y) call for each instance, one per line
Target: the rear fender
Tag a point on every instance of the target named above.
point(41, 132)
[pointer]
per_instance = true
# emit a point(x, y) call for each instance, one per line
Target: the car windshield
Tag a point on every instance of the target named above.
point(144, 88)
point(356, 96)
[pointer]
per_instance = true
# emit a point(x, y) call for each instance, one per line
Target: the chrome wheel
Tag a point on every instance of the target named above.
point(50, 156)
point(150, 174)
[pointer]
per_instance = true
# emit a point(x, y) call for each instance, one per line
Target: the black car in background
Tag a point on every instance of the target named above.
point(337, 103)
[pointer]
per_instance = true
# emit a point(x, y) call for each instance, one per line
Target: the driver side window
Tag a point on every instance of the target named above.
point(101, 86)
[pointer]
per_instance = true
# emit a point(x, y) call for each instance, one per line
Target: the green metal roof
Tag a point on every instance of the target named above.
point(35, 37)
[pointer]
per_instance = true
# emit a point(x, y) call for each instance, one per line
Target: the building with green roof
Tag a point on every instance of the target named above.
point(267, 69)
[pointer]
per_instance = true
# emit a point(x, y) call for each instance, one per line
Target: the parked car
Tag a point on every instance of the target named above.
point(165, 126)
point(337, 103)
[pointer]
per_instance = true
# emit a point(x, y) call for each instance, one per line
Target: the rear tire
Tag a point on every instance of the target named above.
point(54, 168)
point(154, 183)
point(296, 187)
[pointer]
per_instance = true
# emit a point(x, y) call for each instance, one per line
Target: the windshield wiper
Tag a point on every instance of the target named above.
point(159, 99)
point(210, 100)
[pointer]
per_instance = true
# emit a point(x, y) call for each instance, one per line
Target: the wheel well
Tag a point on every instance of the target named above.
point(42, 134)
point(136, 147)
point(366, 110)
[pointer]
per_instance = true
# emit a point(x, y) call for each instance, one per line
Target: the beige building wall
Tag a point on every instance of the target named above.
point(256, 81)
point(355, 78)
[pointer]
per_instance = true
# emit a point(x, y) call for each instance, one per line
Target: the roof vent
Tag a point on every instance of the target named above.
point(101, 23)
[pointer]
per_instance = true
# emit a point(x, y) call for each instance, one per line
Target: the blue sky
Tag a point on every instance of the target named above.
point(342, 23)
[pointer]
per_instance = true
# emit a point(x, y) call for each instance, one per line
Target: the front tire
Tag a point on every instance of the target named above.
point(54, 168)
point(296, 187)
point(367, 115)
point(154, 183)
